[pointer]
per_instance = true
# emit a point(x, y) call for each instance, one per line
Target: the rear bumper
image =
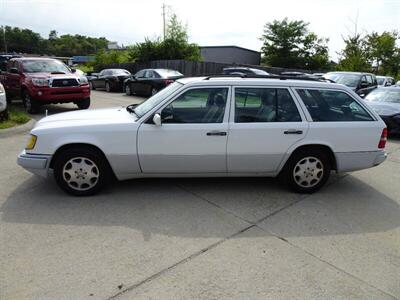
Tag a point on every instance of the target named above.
point(35, 163)
point(353, 161)
point(60, 94)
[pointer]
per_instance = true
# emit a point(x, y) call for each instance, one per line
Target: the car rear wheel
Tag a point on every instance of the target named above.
point(108, 87)
point(307, 171)
point(31, 106)
point(83, 104)
point(81, 172)
point(128, 89)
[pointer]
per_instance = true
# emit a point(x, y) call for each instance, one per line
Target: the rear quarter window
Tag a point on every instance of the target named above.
point(332, 106)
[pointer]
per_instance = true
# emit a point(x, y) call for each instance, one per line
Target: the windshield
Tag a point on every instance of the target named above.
point(259, 72)
point(45, 66)
point(121, 72)
point(380, 80)
point(152, 102)
point(384, 95)
point(349, 80)
point(168, 73)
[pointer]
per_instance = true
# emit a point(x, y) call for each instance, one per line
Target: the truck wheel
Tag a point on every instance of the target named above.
point(83, 104)
point(307, 171)
point(81, 171)
point(31, 105)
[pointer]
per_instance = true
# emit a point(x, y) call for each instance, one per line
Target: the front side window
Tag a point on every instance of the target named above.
point(205, 105)
point(332, 106)
point(264, 105)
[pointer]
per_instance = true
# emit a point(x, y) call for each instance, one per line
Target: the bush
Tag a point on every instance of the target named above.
point(15, 117)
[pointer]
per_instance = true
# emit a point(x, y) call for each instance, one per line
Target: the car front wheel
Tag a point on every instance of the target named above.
point(128, 90)
point(81, 172)
point(108, 87)
point(83, 104)
point(307, 171)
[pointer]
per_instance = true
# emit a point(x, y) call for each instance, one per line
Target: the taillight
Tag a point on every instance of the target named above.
point(168, 81)
point(382, 141)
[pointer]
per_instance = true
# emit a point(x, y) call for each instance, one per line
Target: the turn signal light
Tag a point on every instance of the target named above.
point(31, 143)
point(382, 141)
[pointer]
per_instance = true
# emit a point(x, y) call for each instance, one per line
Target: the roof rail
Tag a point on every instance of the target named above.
point(280, 77)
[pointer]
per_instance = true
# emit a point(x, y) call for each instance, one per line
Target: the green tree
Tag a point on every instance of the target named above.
point(176, 31)
point(382, 52)
point(290, 44)
point(353, 57)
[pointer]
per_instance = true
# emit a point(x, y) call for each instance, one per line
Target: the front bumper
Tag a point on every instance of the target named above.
point(60, 94)
point(35, 163)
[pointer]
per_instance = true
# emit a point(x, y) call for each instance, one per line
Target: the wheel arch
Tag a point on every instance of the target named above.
point(320, 146)
point(80, 145)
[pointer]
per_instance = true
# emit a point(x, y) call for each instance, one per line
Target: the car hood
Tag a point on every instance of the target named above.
point(385, 108)
point(49, 75)
point(92, 117)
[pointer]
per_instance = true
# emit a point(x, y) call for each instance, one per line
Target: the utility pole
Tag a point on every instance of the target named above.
point(163, 15)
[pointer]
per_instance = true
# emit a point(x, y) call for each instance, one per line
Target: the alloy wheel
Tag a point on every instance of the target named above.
point(80, 173)
point(308, 172)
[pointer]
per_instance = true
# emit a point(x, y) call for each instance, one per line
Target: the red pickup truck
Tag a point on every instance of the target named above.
point(40, 81)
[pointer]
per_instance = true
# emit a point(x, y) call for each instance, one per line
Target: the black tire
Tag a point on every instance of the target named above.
point(108, 87)
point(61, 165)
point(31, 105)
point(92, 87)
point(83, 104)
point(128, 89)
point(153, 91)
point(302, 179)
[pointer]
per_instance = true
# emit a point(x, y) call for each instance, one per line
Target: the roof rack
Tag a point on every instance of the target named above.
point(280, 77)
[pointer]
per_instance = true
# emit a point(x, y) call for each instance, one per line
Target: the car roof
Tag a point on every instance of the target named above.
point(354, 73)
point(200, 81)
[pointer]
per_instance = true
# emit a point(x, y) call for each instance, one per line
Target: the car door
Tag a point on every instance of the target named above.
point(13, 78)
point(265, 123)
point(137, 85)
point(192, 137)
point(101, 81)
point(147, 82)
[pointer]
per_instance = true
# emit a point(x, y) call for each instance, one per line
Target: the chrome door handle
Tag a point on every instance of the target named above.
point(293, 131)
point(218, 133)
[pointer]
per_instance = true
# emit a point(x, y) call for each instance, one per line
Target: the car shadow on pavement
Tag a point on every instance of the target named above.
point(181, 207)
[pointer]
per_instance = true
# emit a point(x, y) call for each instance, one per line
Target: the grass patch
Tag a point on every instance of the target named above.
point(16, 117)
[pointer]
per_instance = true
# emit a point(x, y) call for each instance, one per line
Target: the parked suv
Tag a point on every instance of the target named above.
point(361, 83)
point(298, 130)
point(40, 81)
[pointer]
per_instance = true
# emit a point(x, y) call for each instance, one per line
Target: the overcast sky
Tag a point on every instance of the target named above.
point(217, 22)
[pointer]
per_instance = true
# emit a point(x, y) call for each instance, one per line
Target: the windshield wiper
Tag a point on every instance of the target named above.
point(57, 72)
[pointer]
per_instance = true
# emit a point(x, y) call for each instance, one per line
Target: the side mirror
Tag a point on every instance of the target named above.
point(364, 84)
point(157, 119)
point(14, 71)
point(73, 70)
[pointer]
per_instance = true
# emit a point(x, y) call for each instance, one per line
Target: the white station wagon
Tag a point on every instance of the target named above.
point(213, 126)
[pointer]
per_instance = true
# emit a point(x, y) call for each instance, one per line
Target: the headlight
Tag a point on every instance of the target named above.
point(31, 142)
point(1, 89)
point(83, 80)
point(40, 82)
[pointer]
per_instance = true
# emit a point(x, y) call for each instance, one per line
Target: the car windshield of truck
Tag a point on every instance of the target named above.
point(44, 66)
point(384, 95)
point(153, 101)
point(349, 80)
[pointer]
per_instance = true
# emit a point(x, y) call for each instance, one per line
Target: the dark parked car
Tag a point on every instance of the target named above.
point(109, 79)
point(243, 71)
point(361, 83)
point(148, 82)
point(386, 102)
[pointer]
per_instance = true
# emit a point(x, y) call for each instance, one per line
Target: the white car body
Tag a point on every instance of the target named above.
point(135, 147)
point(3, 100)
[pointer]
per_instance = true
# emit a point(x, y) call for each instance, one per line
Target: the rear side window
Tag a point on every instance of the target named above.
point(263, 105)
point(332, 106)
